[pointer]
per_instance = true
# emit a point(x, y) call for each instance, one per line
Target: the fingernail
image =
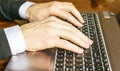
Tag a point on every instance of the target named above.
point(80, 51)
point(81, 25)
point(90, 42)
point(83, 21)
point(87, 46)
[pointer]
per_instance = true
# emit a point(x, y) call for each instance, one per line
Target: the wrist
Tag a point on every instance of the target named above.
point(28, 11)
point(24, 29)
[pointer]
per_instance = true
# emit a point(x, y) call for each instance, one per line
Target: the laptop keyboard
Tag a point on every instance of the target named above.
point(93, 59)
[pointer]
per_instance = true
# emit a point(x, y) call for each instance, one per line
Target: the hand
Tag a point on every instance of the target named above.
point(53, 32)
point(64, 10)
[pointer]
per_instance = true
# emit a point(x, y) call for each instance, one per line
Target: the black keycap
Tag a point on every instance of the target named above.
point(88, 65)
point(87, 51)
point(97, 60)
point(79, 65)
point(60, 60)
point(59, 64)
point(69, 60)
point(107, 69)
point(78, 60)
point(69, 52)
point(79, 69)
point(106, 65)
point(88, 69)
point(60, 56)
point(87, 55)
point(98, 68)
point(96, 55)
point(69, 64)
point(59, 69)
point(104, 56)
point(69, 56)
point(61, 52)
point(105, 60)
point(88, 60)
point(68, 69)
point(97, 64)
point(78, 55)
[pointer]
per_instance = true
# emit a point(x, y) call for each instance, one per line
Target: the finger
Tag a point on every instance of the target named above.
point(68, 46)
point(66, 26)
point(71, 8)
point(66, 16)
point(75, 32)
point(70, 36)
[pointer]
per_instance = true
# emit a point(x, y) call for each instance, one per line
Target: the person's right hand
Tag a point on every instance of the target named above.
point(53, 32)
point(64, 10)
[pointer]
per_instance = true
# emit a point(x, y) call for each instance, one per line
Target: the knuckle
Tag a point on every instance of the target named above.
point(53, 6)
point(52, 22)
point(51, 44)
point(55, 2)
point(70, 3)
point(52, 9)
point(53, 18)
point(49, 30)
point(50, 25)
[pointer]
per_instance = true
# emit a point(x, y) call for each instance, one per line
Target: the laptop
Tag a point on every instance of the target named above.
point(103, 54)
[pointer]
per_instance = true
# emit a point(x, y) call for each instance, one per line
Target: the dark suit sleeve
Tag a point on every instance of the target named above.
point(9, 9)
point(5, 51)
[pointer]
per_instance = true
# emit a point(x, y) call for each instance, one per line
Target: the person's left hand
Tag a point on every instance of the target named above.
point(64, 10)
point(53, 32)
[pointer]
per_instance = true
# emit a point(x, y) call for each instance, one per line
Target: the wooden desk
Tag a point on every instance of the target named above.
point(4, 24)
point(82, 5)
point(92, 5)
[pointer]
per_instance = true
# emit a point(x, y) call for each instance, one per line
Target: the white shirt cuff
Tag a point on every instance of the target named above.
point(23, 8)
point(15, 39)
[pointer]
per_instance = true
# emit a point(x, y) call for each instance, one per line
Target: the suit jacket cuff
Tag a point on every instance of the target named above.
point(5, 51)
point(15, 39)
point(9, 9)
point(23, 8)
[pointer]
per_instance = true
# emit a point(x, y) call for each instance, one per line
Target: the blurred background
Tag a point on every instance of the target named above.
point(83, 5)
point(93, 5)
